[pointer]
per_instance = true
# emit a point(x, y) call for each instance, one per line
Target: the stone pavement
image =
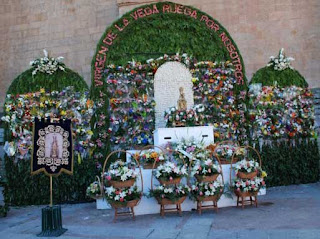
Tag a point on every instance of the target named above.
point(290, 212)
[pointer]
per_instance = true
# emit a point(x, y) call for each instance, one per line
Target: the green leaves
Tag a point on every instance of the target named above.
point(287, 164)
point(24, 189)
point(268, 76)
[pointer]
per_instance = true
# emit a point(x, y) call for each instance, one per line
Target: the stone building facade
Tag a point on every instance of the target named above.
point(72, 28)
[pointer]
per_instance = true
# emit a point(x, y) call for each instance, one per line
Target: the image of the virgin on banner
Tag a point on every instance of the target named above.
point(52, 147)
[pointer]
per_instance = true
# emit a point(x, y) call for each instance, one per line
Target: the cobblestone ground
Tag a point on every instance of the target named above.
point(285, 212)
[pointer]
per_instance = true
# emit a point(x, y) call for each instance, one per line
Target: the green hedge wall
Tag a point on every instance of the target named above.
point(26, 82)
point(288, 77)
point(24, 189)
point(286, 164)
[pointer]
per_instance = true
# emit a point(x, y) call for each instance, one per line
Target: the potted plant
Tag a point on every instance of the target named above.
point(170, 173)
point(121, 174)
point(205, 170)
point(171, 194)
point(94, 191)
point(123, 197)
point(248, 187)
point(206, 191)
point(247, 169)
point(149, 157)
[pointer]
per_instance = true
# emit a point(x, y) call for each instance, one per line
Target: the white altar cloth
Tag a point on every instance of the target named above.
point(200, 133)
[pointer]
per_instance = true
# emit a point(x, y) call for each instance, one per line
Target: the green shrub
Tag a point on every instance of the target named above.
point(286, 164)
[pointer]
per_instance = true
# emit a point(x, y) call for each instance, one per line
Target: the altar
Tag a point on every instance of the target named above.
point(202, 134)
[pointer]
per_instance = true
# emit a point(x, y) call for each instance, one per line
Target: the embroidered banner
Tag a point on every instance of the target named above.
point(52, 147)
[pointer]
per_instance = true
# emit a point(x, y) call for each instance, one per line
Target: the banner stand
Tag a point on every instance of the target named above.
point(52, 154)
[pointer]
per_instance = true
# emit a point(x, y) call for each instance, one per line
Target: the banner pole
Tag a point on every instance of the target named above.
point(50, 191)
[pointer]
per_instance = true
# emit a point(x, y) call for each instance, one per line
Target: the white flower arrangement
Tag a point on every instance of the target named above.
point(207, 189)
point(173, 192)
point(247, 166)
point(248, 185)
point(170, 170)
point(281, 62)
point(122, 171)
point(205, 168)
point(122, 195)
point(48, 65)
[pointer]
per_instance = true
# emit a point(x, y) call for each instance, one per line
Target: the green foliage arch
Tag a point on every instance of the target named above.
point(164, 32)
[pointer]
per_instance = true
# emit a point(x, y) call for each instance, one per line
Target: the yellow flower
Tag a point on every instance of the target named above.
point(264, 174)
point(194, 79)
point(63, 112)
point(89, 132)
point(42, 91)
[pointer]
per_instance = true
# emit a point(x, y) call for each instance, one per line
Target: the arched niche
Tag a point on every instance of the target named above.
point(168, 79)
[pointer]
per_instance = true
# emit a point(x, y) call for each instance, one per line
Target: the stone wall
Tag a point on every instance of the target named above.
point(72, 28)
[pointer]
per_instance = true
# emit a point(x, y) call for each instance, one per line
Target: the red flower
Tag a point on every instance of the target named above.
point(121, 199)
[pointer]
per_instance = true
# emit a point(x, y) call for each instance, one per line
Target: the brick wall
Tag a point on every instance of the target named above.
point(72, 28)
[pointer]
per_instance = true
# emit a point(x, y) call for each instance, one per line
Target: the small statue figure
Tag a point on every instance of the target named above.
point(182, 103)
point(54, 148)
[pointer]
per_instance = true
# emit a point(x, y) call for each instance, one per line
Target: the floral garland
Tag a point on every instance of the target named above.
point(21, 110)
point(47, 65)
point(214, 86)
point(280, 112)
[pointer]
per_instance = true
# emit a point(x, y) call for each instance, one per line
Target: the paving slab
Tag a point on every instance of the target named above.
point(291, 212)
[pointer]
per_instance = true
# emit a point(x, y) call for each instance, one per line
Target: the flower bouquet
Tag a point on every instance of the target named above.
point(172, 194)
point(205, 171)
point(247, 169)
point(149, 157)
point(225, 152)
point(248, 187)
point(121, 174)
point(123, 197)
point(206, 191)
point(190, 146)
point(170, 173)
point(94, 190)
